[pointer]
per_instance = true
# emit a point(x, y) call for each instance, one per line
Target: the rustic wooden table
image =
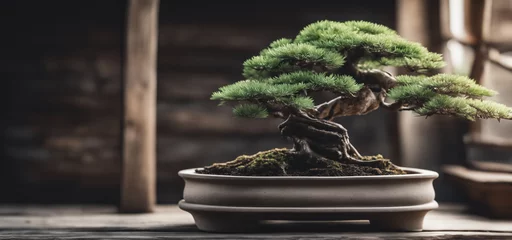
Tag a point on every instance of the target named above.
point(169, 222)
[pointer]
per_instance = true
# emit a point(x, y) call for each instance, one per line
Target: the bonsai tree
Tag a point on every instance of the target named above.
point(346, 59)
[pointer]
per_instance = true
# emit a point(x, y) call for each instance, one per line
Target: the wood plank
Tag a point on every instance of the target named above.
point(169, 222)
point(42, 127)
point(207, 118)
point(101, 120)
point(138, 188)
point(116, 234)
point(187, 86)
point(478, 176)
point(236, 36)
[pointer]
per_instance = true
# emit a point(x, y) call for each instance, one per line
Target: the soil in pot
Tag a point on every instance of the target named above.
point(288, 162)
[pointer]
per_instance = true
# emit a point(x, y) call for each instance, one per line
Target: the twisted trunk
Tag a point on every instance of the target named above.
point(318, 140)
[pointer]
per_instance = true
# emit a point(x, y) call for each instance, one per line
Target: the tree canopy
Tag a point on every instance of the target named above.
point(283, 75)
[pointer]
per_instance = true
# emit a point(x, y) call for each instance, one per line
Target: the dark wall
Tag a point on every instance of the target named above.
point(61, 68)
point(61, 87)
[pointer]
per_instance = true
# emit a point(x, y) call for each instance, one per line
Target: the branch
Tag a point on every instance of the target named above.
point(378, 77)
point(374, 77)
point(274, 110)
point(363, 102)
point(326, 109)
point(395, 106)
point(407, 108)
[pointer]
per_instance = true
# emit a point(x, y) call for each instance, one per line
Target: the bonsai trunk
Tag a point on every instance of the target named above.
point(320, 141)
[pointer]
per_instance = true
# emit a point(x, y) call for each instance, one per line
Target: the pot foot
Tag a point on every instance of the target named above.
point(224, 223)
point(402, 222)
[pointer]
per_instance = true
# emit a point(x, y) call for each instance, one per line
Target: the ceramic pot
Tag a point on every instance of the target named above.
point(222, 203)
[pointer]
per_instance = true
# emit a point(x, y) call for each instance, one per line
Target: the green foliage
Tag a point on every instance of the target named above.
point(250, 111)
point(257, 90)
point(449, 84)
point(284, 73)
point(447, 94)
point(263, 93)
point(452, 84)
point(299, 102)
point(254, 110)
point(410, 79)
point(286, 90)
point(467, 108)
point(412, 94)
point(366, 27)
point(413, 89)
point(289, 57)
point(375, 44)
point(280, 42)
point(341, 84)
point(422, 61)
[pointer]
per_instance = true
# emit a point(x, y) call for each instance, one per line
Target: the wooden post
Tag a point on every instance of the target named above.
point(138, 183)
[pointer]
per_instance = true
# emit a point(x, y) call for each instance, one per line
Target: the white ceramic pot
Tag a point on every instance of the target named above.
point(224, 203)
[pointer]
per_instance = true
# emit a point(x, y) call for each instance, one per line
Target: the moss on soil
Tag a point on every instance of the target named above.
point(284, 162)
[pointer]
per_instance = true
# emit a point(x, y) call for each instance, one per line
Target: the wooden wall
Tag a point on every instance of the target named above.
point(61, 81)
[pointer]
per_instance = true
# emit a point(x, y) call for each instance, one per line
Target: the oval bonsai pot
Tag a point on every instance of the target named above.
point(226, 203)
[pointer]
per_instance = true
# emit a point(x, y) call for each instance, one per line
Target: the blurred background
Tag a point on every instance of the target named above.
point(61, 65)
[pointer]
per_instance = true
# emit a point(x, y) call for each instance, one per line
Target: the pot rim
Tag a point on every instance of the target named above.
point(413, 173)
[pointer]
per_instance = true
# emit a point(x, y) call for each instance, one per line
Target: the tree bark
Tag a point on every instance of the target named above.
point(139, 139)
point(320, 139)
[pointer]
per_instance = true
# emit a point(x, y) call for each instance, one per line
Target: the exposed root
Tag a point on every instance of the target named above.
point(320, 138)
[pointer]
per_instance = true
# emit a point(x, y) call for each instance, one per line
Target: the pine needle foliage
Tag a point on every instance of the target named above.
point(249, 110)
point(448, 94)
point(257, 91)
point(341, 84)
point(289, 57)
point(279, 43)
point(288, 70)
point(375, 44)
point(301, 102)
point(467, 108)
point(415, 88)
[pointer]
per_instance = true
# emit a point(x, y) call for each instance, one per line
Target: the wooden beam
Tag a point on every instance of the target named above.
point(138, 183)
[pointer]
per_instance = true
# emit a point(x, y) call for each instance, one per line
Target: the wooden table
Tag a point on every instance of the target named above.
point(169, 222)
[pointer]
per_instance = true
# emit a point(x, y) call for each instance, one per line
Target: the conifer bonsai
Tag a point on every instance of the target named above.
point(346, 59)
